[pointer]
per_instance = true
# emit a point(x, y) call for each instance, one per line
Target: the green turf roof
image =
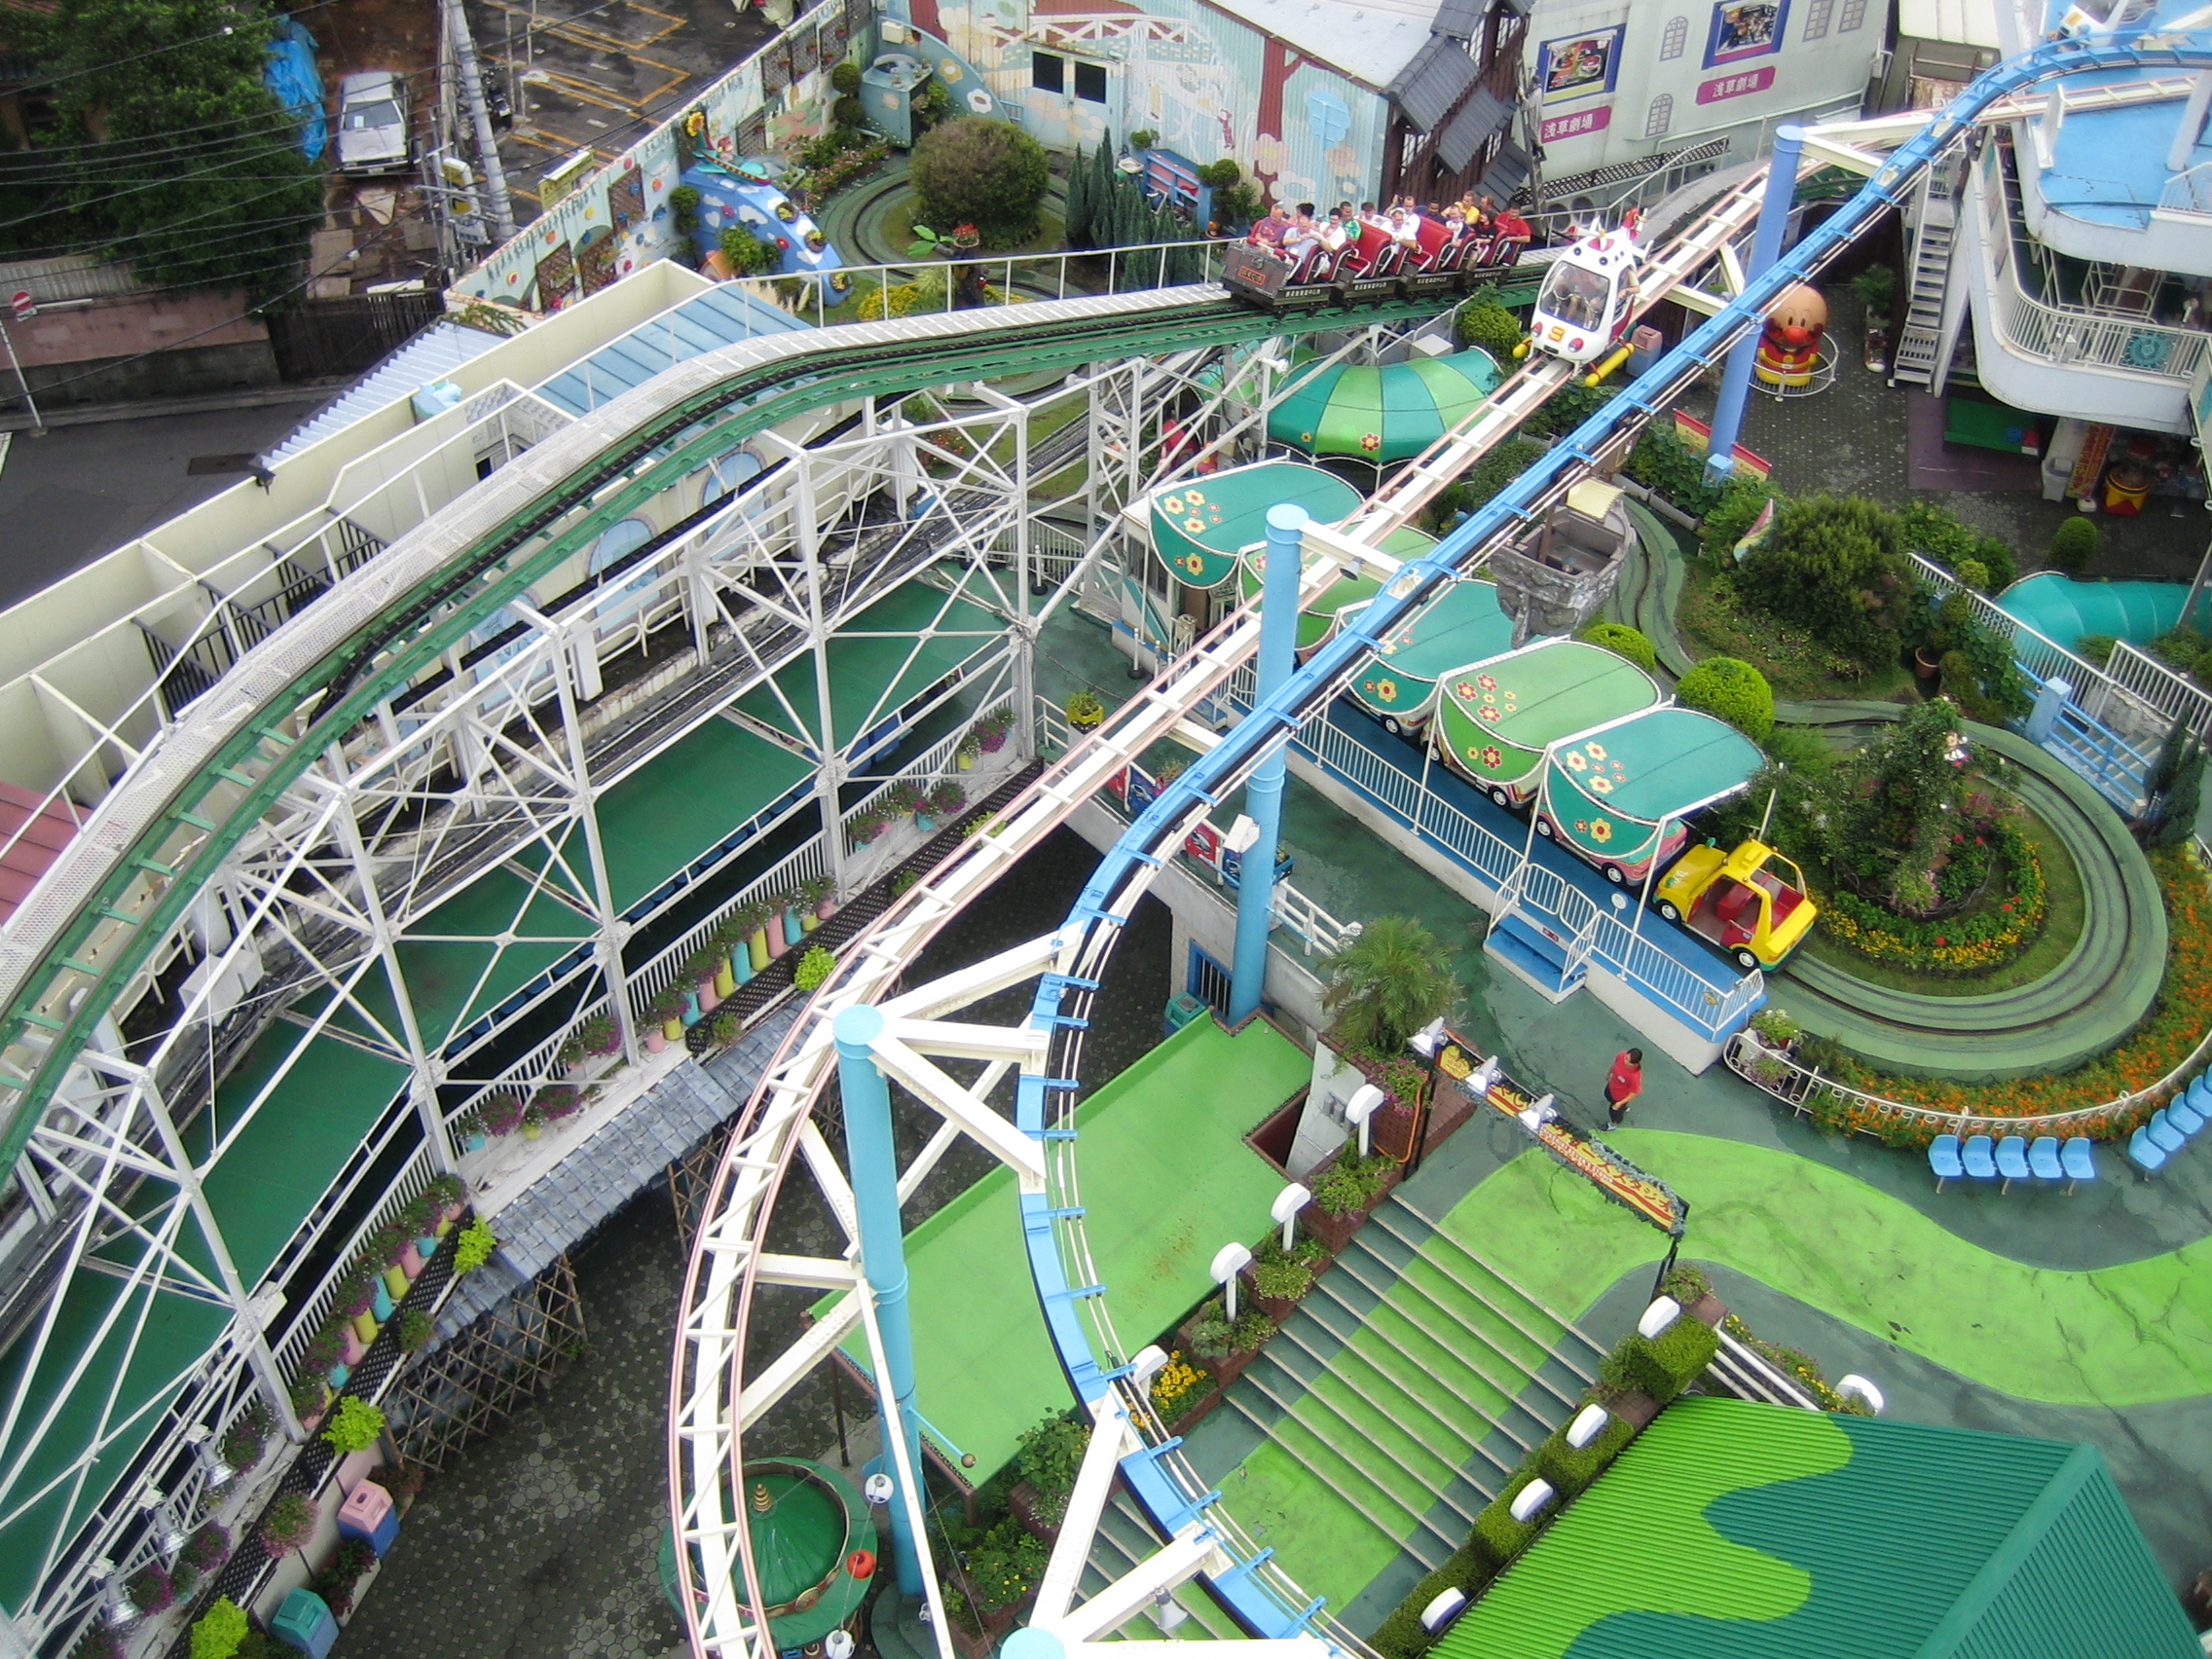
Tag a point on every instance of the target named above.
point(1735, 1531)
point(1166, 1180)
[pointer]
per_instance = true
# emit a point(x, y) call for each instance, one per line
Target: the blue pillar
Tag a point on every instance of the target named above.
point(1766, 248)
point(874, 1170)
point(1262, 795)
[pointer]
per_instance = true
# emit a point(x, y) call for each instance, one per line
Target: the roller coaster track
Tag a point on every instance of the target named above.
point(714, 1400)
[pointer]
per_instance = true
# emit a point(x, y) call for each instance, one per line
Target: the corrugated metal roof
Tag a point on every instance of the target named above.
point(1433, 81)
point(1372, 41)
point(1735, 1531)
point(1467, 132)
point(1461, 18)
point(424, 360)
point(622, 1157)
point(706, 322)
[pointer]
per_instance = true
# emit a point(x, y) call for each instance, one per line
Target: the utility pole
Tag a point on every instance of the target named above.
point(496, 207)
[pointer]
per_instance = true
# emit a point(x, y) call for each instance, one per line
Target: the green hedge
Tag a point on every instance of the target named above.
point(1663, 1366)
point(1401, 1635)
point(1500, 1538)
point(1572, 1469)
point(1622, 641)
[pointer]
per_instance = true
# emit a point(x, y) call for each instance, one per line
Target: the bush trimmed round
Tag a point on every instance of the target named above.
point(1730, 689)
point(974, 170)
point(2074, 545)
point(1623, 640)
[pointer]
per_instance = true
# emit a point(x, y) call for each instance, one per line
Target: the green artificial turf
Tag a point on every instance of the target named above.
point(1166, 1181)
point(2118, 1336)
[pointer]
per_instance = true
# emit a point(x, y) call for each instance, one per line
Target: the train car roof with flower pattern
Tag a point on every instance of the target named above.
point(1462, 624)
point(1496, 718)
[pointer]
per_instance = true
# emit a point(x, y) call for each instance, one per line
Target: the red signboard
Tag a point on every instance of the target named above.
point(1740, 85)
point(1575, 123)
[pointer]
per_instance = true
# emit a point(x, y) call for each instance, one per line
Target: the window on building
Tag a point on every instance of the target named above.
point(1660, 116)
point(1090, 81)
point(1817, 19)
point(1047, 73)
point(1853, 14)
point(1673, 38)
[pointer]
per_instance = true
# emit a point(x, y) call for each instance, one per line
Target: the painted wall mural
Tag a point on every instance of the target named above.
point(617, 220)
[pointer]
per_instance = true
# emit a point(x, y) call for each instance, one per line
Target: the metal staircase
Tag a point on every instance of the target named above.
point(1914, 359)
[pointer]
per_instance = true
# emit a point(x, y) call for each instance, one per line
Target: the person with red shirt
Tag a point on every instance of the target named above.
point(1623, 1083)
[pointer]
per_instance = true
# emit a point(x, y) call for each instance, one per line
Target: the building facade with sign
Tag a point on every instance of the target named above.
point(1613, 84)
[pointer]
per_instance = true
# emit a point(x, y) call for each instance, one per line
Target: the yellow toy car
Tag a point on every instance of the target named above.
point(1742, 900)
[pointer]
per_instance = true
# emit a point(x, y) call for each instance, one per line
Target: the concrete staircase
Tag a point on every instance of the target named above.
point(1414, 1379)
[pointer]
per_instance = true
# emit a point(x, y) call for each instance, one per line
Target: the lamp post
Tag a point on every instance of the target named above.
point(1227, 1262)
point(1289, 1202)
point(1429, 1043)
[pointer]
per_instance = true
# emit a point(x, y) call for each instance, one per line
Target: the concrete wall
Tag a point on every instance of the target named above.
point(125, 347)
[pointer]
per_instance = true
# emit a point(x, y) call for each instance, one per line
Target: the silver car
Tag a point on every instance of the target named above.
point(373, 128)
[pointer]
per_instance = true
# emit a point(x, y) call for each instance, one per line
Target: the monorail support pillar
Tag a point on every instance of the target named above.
point(1766, 248)
point(1263, 794)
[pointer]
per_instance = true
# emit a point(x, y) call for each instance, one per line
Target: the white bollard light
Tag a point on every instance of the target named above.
point(1440, 1611)
point(1857, 1387)
point(1149, 1362)
point(1589, 1423)
point(1360, 1111)
point(1227, 1262)
point(1661, 1315)
point(1289, 1202)
point(1531, 1499)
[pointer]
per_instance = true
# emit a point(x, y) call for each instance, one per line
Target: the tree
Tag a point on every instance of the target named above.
point(173, 154)
point(1079, 201)
point(1891, 807)
point(1834, 566)
point(1388, 983)
point(974, 170)
point(1730, 689)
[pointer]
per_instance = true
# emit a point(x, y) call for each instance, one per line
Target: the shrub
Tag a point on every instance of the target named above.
point(744, 253)
point(975, 171)
point(1731, 517)
point(726, 1027)
point(1401, 1635)
point(218, 1632)
point(1623, 640)
point(1351, 1184)
point(1663, 1366)
point(1485, 323)
point(1496, 469)
point(1973, 573)
point(356, 1425)
point(474, 1249)
point(1836, 566)
point(415, 1331)
point(1052, 1451)
point(1937, 533)
point(1286, 1279)
point(684, 208)
point(845, 79)
point(1730, 689)
point(1498, 1535)
point(1571, 1468)
point(815, 967)
point(2074, 545)
point(1005, 1564)
point(848, 112)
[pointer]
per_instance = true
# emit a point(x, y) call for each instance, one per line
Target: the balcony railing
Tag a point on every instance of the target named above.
point(2068, 336)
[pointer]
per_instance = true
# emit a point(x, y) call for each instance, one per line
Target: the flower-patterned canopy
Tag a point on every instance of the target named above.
point(1200, 526)
point(1382, 414)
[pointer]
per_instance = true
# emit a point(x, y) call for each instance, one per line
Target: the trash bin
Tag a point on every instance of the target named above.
point(305, 1622)
point(369, 1514)
point(1183, 1008)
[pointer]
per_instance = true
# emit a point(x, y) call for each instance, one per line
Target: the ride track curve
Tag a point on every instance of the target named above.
point(709, 1402)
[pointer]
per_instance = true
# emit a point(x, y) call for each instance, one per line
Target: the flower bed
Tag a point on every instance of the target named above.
point(1968, 944)
point(2133, 1079)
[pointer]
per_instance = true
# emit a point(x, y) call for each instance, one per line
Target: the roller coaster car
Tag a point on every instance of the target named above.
point(1583, 306)
point(1740, 900)
point(1261, 277)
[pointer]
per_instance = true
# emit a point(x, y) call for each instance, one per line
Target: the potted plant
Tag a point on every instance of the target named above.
point(207, 1549)
point(289, 1522)
point(814, 968)
point(448, 1195)
point(329, 1352)
point(1182, 1392)
point(149, 1590)
point(947, 800)
point(415, 1331)
point(817, 901)
point(751, 919)
point(1085, 711)
point(1229, 1344)
point(569, 1056)
point(1346, 1193)
point(311, 1394)
point(726, 1027)
point(502, 1113)
point(533, 1121)
point(420, 1218)
point(468, 1130)
point(1050, 1454)
point(220, 1631)
point(355, 1426)
point(903, 798)
point(390, 1247)
point(473, 1248)
point(705, 969)
point(664, 1019)
point(789, 906)
point(601, 1035)
point(1775, 1031)
point(559, 1102)
point(971, 747)
point(1279, 1279)
point(993, 727)
point(868, 827)
point(356, 1300)
point(247, 1438)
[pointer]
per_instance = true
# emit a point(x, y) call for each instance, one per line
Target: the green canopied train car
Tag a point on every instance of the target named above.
point(1495, 718)
point(1618, 796)
point(1397, 683)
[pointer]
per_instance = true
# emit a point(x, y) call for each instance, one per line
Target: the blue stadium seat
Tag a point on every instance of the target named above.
point(1943, 1159)
point(2042, 1159)
point(2078, 1160)
point(2012, 1160)
point(2168, 1138)
point(2146, 1153)
point(1980, 1163)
